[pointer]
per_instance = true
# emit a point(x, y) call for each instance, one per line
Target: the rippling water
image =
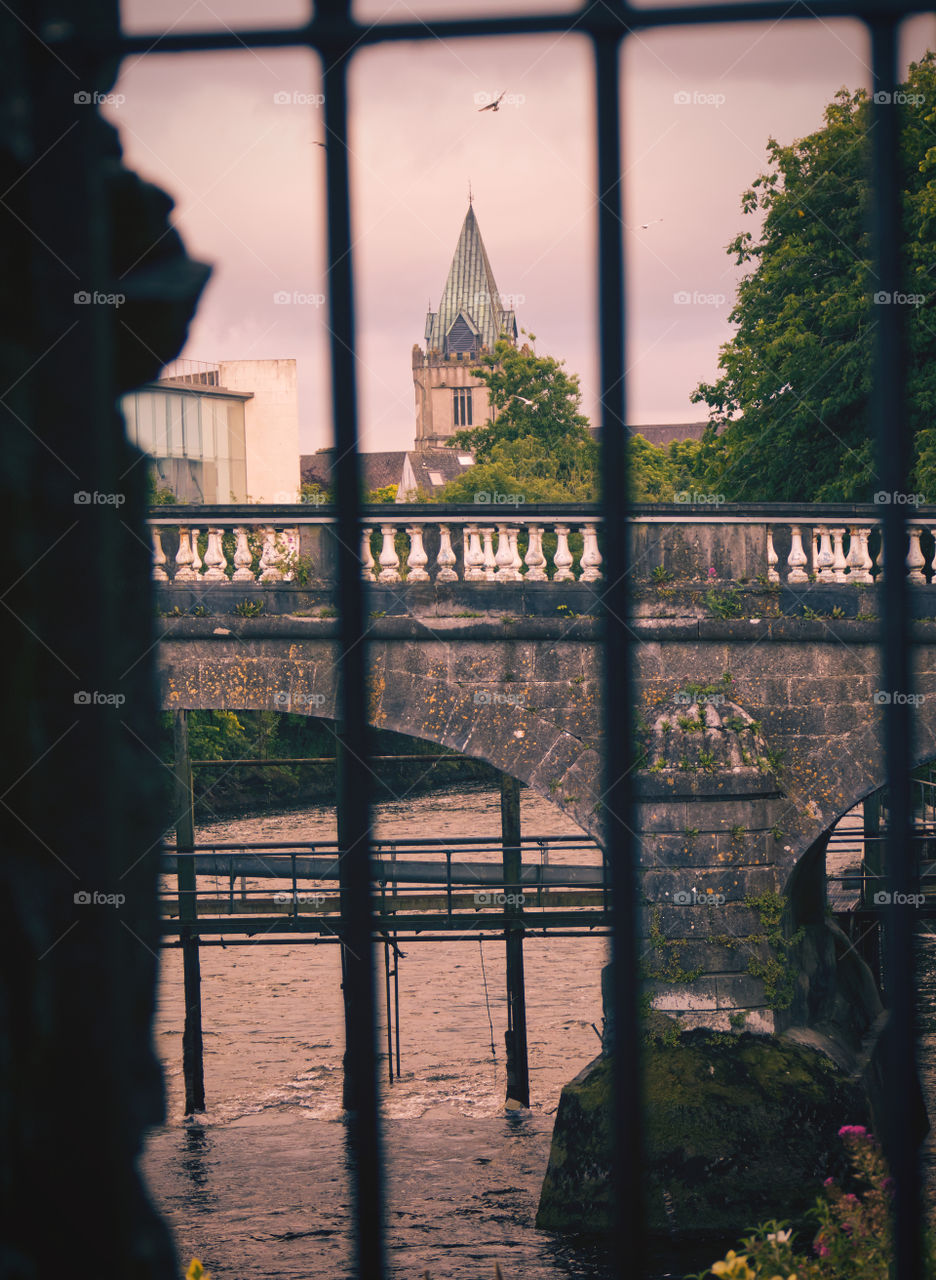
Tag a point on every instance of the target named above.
point(261, 1189)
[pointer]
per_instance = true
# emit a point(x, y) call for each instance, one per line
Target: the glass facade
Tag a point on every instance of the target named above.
point(196, 441)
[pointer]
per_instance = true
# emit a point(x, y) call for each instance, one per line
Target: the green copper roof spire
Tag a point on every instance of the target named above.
point(470, 315)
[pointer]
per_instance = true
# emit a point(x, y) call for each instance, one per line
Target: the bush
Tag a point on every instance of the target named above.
point(854, 1236)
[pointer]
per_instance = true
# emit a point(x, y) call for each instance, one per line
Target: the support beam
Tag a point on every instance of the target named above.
point(518, 1069)
point(193, 1052)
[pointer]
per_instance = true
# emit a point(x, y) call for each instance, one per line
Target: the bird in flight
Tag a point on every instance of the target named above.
point(495, 105)
point(531, 403)
point(644, 225)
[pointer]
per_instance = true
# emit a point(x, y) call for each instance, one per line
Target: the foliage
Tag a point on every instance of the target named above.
point(854, 1238)
point(249, 608)
point(790, 407)
point(777, 973)
point(724, 604)
point(385, 493)
point(158, 495)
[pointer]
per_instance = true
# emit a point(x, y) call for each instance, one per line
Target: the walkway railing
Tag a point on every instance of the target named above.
point(794, 546)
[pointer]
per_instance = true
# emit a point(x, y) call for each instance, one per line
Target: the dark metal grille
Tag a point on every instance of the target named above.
point(335, 35)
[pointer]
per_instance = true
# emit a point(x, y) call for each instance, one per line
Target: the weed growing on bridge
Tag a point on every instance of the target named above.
point(668, 952)
point(777, 972)
point(249, 608)
point(724, 604)
point(660, 574)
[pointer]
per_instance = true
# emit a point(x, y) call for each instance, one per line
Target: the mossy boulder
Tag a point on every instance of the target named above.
point(740, 1128)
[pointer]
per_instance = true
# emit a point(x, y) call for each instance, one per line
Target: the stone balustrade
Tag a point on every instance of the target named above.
point(445, 545)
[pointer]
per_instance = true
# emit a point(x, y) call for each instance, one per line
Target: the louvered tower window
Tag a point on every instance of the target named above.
point(462, 409)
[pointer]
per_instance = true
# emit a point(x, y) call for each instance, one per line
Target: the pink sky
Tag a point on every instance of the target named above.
point(248, 184)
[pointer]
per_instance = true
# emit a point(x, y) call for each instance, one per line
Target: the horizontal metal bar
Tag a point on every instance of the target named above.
point(326, 940)
point(480, 873)
point(430, 842)
point(595, 20)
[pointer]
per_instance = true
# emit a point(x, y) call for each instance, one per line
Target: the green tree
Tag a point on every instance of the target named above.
point(789, 415)
point(537, 443)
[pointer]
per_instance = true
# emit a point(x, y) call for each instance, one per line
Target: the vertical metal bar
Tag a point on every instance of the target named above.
point(518, 1069)
point(193, 1060)
point(448, 882)
point(620, 843)
point(893, 459)
point(362, 1096)
point(396, 999)
point(386, 952)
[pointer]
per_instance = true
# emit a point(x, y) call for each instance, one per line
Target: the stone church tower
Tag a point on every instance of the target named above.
point(469, 320)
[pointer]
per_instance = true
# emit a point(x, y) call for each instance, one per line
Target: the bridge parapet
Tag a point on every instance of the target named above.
point(515, 542)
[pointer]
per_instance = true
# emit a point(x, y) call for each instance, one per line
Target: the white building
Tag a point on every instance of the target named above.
point(226, 432)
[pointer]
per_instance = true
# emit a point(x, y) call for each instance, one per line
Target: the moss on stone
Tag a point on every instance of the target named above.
point(739, 1128)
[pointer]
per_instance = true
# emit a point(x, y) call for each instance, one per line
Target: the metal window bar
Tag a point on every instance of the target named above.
point(335, 35)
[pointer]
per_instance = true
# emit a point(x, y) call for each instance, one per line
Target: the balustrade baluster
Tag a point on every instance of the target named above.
point(839, 563)
point(591, 556)
point(534, 558)
point(388, 558)
point(916, 561)
point(367, 559)
point(417, 560)
point(270, 557)
point(797, 557)
point(513, 534)
point(159, 556)
point(196, 558)
point(446, 557)
point(859, 562)
point(772, 558)
point(824, 558)
point(183, 559)
point(504, 557)
point(243, 556)
point(215, 559)
point(563, 557)
point(490, 560)
point(474, 556)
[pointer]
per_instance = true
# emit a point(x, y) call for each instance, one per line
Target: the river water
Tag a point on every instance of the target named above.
point(260, 1189)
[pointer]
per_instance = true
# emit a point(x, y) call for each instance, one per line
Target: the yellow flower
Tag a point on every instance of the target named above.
point(735, 1267)
point(196, 1271)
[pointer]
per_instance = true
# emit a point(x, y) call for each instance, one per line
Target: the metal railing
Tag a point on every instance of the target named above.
point(335, 36)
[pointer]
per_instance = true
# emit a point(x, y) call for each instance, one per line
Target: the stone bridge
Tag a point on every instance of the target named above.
point(758, 709)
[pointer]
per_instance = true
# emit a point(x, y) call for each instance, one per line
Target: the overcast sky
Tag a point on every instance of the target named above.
point(248, 182)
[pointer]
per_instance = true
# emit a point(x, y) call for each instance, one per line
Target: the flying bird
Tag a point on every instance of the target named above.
point(531, 403)
point(644, 225)
point(495, 105)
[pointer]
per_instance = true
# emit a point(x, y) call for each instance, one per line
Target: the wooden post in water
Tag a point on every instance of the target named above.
point(518, 1070)
point(193, 1052)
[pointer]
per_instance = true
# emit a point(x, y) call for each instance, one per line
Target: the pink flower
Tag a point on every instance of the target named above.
point(711, 572)
point(853, 1131)
point(823, 1251)
point(829, 1182)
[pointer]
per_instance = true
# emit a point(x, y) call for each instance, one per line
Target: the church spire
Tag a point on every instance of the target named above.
point(470, 314)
